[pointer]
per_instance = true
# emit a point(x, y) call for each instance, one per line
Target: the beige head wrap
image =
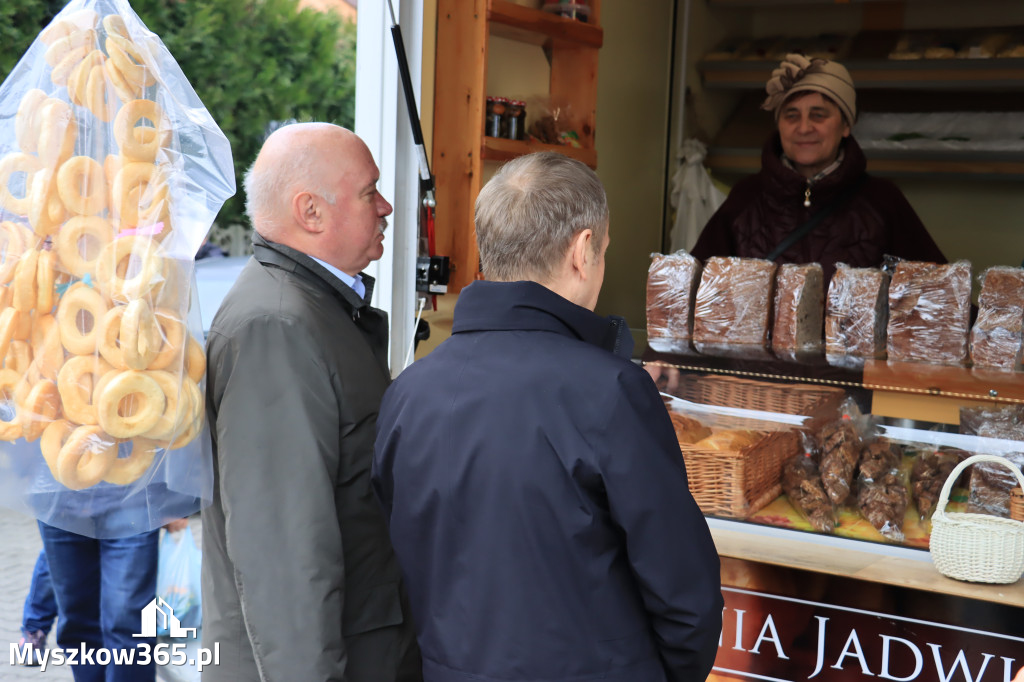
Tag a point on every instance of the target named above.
point(797, 73)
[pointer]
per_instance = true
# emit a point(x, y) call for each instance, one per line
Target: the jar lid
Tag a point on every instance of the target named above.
point(517, 103)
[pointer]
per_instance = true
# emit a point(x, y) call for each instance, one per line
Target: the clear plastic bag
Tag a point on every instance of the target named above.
point(111, 173)
point(857, 312)
point(929, 312)
point(733, 308)
point(178, 583)
point(671, 286)
point(990, 484)
point(996, 337)
point(799, 307)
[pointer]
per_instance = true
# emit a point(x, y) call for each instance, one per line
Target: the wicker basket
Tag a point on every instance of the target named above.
point(754, 395)
point(977, 547)
point(1017, 504)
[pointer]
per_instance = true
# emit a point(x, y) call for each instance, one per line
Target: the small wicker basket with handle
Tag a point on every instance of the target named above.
point(977, 547)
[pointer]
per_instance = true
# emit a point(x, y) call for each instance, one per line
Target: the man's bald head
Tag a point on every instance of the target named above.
point(301, 157)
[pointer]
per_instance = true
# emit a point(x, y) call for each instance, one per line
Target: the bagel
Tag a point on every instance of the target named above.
point(10, 429)
point(134, 145)
point(78, 316)
point(60, 28)
point(46, 211)
point(130, 405)
point(130, 468)
point(8, 325)
point(140, 191)
point(25, 287)
point(139, 334)
point(57, 133)
point(110, 337)
point(28, 120)
point(190, 393)
point(129, 61)
point(45, 281)
point(177, 411)
point(13, 241)
point(40, 408)
point(48, 352)
point(85, 457)
point(172, 335)
point(17, 163)
point(18, 357)
point(195, 360)
point(129, 267)
point(82, 186)
point(22, 326)
point(79, 76)
point(53, 439)
point(75, 383)
point(75, 40)
point(98, 98)
point(80, 243)
point(114, 24)
point(126, 92)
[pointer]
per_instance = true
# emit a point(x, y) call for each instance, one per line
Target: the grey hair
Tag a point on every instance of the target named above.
point(528, 214)
point(267, 188)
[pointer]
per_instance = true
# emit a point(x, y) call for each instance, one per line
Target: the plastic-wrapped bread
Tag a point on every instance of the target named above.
point(996, 338)
point(734, 303)
point(671, 285)
point(799, 307)
point(801, 481)
point(857, 312)
point(929, 312)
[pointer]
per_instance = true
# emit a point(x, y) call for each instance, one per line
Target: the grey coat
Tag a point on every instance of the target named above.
point(299, 578)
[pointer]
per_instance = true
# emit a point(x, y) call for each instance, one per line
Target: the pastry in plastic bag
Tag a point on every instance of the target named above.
point(801, 481)
point(883, 502)
point(929, 312)
point(928, 475)
point(878, 458)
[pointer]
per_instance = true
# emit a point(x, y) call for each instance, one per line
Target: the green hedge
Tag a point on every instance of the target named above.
point(251, 62)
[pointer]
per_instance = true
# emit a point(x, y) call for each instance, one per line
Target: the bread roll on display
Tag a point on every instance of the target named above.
point(929, 312)
point(996, 338)
point(671, 285)
point(799, 307)
point(733, 307)
point(857, 312)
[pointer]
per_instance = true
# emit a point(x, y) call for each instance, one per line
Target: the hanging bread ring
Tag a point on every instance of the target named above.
point(129, 61)
point(79, 336)
point(18, 357)
point(13, 240)
point(9, 380)
point(79, 76)
point(130, 405)
point(57, 133)
point(176, 411)
point(82, 185)
point(45, 282)
point(75, 382)
point(126, 122)
point(53, 439)
point(195, 360)
point(126, 92)
point(8, 325)
point(76, 40)
point(141, 194)
point(28, 120)
point(194, 420)
point(46, 211)
point(26, 290)
point(81, 241)
point(98, 98)
point(110, 335)
point(17, 162)
point(172, 334)
point(48, 351)
point(86, 457)
point(129, 469)
point(129, 267)
point(114, 24)
point(139, 334)
point(39, 409)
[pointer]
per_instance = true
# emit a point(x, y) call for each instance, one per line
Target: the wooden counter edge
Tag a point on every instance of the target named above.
point(859, 565)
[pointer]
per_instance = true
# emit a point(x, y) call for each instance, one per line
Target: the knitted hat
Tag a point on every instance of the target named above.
point(797, 73)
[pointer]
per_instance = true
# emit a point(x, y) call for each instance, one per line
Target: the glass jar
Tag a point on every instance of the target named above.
point(497, 108)
point(515, 120)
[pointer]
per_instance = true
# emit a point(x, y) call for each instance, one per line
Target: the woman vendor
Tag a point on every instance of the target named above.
point(812, 201)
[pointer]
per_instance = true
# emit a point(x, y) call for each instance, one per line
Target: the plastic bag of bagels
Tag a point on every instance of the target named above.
point(111, 174)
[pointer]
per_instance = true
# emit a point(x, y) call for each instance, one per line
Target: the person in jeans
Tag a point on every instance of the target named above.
point(39, 612)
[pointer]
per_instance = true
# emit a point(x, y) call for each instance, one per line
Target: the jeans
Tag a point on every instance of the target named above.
point(40, 605)
point(101, 588)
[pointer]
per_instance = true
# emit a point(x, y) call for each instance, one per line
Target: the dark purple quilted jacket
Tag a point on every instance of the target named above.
point(763, 208)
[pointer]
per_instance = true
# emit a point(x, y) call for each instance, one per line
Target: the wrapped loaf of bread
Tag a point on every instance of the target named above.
point(996, 339)
point(671, 285)
point(734, 304)
point(857, 312)
point(799, 307)
point(929, 312)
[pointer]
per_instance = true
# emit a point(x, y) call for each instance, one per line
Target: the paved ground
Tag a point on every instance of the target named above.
point(19, 547)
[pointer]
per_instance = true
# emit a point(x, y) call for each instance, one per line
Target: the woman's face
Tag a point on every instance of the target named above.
point(811, 128)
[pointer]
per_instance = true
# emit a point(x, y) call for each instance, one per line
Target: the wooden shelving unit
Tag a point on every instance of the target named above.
point(464, 28)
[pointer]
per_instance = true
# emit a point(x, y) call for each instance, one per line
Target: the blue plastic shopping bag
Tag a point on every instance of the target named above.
point(178, 582)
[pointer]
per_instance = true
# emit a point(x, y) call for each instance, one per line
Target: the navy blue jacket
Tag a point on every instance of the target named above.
point(538, 502)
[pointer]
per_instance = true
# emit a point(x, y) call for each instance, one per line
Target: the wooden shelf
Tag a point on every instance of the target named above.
point(509, 20)
point(920, 74)
point(498, 149)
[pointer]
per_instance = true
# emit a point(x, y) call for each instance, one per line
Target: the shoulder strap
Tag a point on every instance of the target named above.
point(812, 222)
